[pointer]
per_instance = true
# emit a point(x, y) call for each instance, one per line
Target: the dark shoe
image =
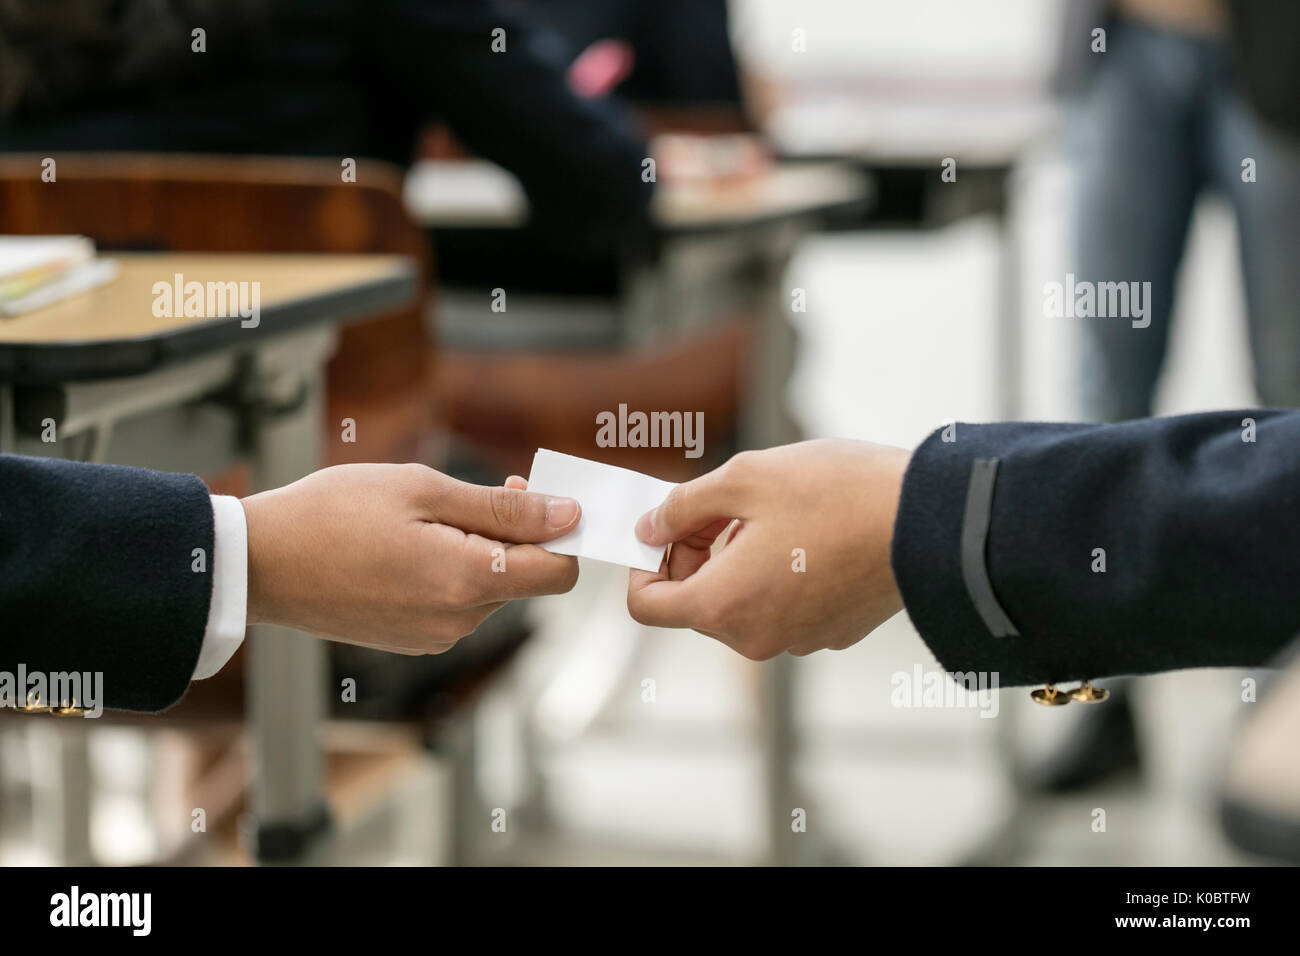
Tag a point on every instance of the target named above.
point(1260, 806)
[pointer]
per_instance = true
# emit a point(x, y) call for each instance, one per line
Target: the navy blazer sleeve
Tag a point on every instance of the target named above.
point(97, 574)
point(1197, 520)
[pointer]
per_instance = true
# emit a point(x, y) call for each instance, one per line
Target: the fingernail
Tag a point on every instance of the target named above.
point(560, 512)
point(645, 525)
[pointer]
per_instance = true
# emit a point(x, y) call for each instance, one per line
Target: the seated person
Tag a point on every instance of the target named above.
point(666, 53)
point(338, 79)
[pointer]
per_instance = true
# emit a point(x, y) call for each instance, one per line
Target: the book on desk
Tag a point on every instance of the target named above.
point(36, 271)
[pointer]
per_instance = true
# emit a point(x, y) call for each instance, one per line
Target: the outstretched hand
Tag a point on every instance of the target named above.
point(804, 557)
point(400, 557)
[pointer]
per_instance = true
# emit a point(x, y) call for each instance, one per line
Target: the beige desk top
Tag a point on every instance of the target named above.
point(123, 308)
point(475, 193)
point(786, 190)
point(113, 330)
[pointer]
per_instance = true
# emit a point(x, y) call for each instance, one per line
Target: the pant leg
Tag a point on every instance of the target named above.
point(1135, 137)
point(1268, 229)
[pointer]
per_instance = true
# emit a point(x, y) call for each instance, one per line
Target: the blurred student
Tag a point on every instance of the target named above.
point(649, 52)
point(332, 78)
point(1189, 96)
point(146, 578)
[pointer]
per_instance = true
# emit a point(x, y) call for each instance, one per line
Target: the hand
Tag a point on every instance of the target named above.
point(835, 501)
point(399, 557)
point(601, 67)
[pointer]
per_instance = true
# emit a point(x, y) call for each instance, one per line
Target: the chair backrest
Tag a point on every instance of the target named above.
point(165, 202)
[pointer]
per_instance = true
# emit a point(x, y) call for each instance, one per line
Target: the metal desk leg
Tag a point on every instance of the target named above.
point(1008, 331)
point(8, 430)
point(1009, 365)
point(767, 422)
point(61, 796)
point(6, 445)
point(287, 671)
point(469, 818)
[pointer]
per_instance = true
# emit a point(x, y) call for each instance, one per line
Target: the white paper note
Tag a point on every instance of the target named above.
point(612, 500)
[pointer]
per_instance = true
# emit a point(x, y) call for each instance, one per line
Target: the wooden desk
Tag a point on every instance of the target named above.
point(112, 331)
point(457, 194)
point(711, 234)
point(95, 361)
point(789, 190)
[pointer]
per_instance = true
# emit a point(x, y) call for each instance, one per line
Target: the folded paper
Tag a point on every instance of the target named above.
point(612, 500)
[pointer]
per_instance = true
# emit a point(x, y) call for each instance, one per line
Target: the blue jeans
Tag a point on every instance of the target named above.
point(1163, 120)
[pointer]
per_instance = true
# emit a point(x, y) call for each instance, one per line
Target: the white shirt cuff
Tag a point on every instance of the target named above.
point(228, 612)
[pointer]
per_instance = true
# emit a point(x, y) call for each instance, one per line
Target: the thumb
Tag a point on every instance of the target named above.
point(690, 507)
point(507, 514)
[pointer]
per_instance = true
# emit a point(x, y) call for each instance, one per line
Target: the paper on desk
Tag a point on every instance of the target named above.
point(612, 500)
point(75, 281)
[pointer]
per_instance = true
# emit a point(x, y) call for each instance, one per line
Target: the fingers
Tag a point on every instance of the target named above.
point(683, 592)
point(703, 539)
point(684, 560)
point(655, 601)
point(461, 573)
point(693, 508)
point(525, 570)
point(697, 601)
point(505, 513)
